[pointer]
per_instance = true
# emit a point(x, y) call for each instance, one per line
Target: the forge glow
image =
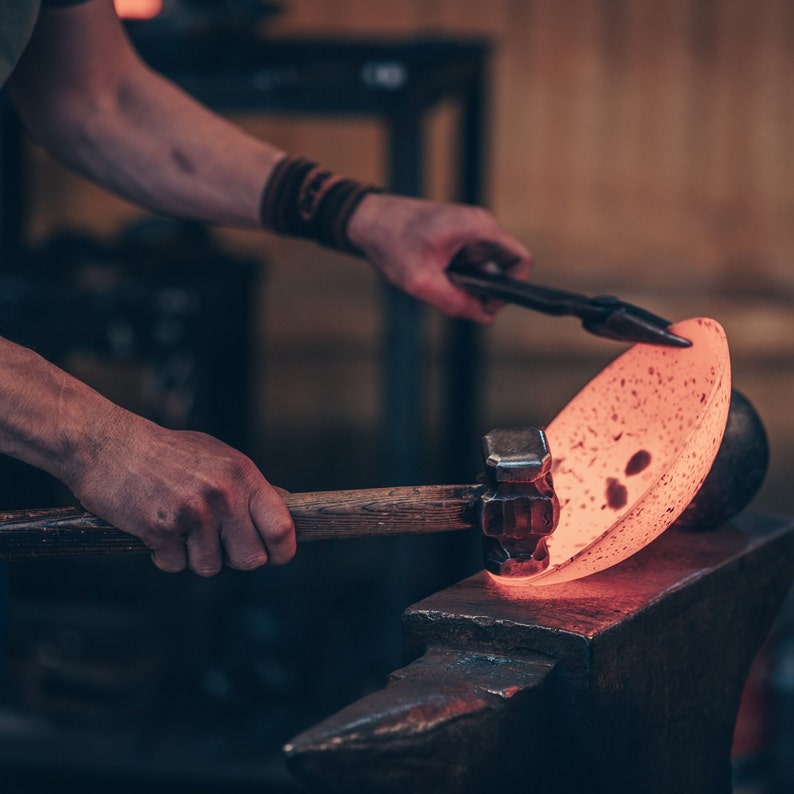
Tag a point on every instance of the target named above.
point(631, 450)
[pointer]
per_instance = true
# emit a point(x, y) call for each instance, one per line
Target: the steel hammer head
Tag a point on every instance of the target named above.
point(520, 509)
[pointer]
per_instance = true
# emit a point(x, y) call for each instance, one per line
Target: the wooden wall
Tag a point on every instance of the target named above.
point(650, 138)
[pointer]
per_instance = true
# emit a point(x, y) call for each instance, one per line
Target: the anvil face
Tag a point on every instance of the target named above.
point(632, 449)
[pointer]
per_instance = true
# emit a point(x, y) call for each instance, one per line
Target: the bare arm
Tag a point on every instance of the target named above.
point(87, 97)
point(193, 500)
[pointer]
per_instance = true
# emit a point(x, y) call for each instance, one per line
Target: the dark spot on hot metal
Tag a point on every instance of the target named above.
point(638, 462)
point(617, 495)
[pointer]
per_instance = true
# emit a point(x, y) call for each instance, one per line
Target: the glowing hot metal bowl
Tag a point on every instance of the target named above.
point(633, 447)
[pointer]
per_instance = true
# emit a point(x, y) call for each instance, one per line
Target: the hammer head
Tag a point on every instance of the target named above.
point(520, 510)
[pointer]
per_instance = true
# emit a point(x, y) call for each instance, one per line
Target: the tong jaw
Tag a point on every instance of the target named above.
point(613, 318)
point(603, 315)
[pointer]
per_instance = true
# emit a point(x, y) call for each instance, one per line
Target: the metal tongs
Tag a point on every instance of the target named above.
point(603, 315)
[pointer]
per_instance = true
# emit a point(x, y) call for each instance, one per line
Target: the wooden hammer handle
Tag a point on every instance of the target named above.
point(324, 515)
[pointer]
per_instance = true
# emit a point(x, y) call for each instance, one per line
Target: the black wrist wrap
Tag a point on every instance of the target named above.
point(302, 199)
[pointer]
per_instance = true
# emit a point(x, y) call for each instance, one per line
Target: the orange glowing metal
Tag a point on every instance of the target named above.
point(633, 447)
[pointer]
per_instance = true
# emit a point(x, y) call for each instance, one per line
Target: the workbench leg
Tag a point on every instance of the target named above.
point(404, 371)
point(464, 345)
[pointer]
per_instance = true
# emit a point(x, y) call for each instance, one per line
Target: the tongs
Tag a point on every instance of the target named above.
point(603, 315)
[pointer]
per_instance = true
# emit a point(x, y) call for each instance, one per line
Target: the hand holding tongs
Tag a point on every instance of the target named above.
point(603, 315)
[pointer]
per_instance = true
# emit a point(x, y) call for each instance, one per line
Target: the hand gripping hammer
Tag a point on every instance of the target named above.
point(515, 507)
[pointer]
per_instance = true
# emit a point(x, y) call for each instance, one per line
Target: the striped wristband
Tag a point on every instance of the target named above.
point(302, 199)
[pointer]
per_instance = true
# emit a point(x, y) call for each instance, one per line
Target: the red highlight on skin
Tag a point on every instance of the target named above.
point(632, 449)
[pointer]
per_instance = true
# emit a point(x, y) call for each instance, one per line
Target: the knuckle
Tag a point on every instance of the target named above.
point(178, 519)
point(418, 283)
point(480, 215)
point(214, 498)
point(280, 532)
point(249, 562)
point(160, 536)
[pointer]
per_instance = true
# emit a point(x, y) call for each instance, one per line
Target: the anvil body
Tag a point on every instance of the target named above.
point(628, 680)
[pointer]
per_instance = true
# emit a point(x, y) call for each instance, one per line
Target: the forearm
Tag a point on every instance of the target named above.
point(194, 165)
point(86, 96)
point(177, 170)
point(192, 499)
point(163, 151)
point(47, 417)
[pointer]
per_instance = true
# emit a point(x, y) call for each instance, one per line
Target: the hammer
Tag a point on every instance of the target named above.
point(515, 507)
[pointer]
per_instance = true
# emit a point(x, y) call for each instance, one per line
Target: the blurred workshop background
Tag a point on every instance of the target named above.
point(640, 149)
